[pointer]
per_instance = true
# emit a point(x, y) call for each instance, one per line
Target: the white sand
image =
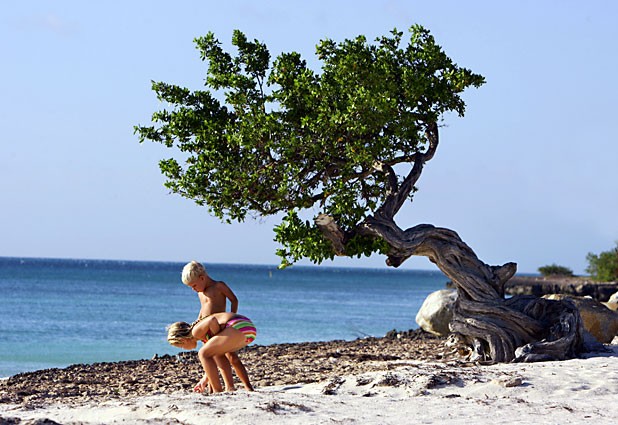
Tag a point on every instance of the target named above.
point(568, 392)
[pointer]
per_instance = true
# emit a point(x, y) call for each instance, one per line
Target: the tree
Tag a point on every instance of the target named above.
point(603, 267)
point(555, 270)
point(345, 146)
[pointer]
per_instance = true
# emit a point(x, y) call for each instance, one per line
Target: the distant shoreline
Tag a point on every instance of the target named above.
point(570, 285)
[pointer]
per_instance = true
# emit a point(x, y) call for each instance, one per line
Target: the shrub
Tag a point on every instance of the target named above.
point(555, 270)
point(603, 267)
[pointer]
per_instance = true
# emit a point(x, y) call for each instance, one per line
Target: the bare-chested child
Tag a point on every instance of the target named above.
point(213, 297)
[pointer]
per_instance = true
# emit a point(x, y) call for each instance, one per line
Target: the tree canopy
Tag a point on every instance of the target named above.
point(276, 137)
point(603, 267)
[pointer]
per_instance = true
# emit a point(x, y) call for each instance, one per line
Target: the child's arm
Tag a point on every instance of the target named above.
point(202, 385)
point(229, 294)
point(206, 328)
point(202, 302)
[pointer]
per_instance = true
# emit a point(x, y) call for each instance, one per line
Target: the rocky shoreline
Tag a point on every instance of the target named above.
point(569, 285)
point(279, 364)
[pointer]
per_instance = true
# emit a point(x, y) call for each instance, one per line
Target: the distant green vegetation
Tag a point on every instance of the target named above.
point(603, 267)
point(555, 270)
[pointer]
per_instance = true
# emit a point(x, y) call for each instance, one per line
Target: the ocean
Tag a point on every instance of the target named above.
point(57, 312)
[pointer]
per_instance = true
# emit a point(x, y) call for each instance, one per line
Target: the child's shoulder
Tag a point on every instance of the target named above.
point(220, 284)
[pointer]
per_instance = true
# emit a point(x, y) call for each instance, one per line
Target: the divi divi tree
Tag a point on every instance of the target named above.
point(336, 153)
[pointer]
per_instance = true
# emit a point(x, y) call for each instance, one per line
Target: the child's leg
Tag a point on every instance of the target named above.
point(226, 372)
point(210, 367)
point(241, 372)
point(227, 340)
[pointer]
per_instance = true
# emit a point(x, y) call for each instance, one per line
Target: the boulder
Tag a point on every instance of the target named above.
point(436, 312)
point(599, 320)
point(612, 303)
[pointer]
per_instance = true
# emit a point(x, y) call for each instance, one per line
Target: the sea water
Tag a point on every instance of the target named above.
point(55, 312)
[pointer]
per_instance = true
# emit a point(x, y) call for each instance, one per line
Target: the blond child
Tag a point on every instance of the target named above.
point(222, 333)
point(213, 296)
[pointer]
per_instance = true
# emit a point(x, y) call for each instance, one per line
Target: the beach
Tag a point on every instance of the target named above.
point(408, 377)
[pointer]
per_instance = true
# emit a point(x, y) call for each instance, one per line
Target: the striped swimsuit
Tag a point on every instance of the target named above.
point(244, 325)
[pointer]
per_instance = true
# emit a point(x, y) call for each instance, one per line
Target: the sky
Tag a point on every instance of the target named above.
point(529, 175)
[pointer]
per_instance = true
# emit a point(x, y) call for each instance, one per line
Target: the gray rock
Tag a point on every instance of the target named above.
point(436, 312)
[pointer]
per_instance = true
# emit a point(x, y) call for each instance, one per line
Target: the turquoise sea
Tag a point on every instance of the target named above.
point(57, 312)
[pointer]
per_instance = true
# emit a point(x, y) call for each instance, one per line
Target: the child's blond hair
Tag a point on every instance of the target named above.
point(192, 271)
point(178, 332)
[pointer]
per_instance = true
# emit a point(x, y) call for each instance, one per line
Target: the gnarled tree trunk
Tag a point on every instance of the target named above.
point(492, 328)
point(522, 328)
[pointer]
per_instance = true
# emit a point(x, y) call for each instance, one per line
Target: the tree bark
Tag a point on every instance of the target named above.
point(331, 230)
point(493, 329)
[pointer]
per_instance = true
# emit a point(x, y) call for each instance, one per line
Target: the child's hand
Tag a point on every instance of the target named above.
point(202, 385)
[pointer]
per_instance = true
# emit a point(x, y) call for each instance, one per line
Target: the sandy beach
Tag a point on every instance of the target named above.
point(410, 379)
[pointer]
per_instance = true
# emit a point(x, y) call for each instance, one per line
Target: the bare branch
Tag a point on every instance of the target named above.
point(394, 201)
point(332, 232)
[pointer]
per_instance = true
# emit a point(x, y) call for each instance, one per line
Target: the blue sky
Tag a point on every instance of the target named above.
point(529, 175)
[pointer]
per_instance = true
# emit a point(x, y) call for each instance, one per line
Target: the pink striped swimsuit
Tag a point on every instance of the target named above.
point(244, 325)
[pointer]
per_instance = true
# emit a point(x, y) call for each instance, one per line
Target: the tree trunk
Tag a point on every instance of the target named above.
point(494, 329)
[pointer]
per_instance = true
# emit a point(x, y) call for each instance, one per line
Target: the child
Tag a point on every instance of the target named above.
point(222, 333)
point(213, 296)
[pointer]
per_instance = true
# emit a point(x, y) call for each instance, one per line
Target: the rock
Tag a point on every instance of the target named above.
point(509, 381)
point(599, 320)
point(612, 303)
point(277, 364)
point(436, 312)
point(569, 285)
point(333, 385)
point(43, 421)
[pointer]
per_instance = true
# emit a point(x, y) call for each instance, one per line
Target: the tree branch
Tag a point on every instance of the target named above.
point(395, 200)
point(332, 232)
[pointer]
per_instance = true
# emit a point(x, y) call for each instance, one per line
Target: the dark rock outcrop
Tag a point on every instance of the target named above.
point(577, 286)
point(599, 320)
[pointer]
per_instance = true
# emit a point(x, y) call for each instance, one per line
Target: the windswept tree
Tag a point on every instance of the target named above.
point(336, 153)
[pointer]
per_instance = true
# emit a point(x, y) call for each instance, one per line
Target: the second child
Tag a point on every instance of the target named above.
point(213, 296)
